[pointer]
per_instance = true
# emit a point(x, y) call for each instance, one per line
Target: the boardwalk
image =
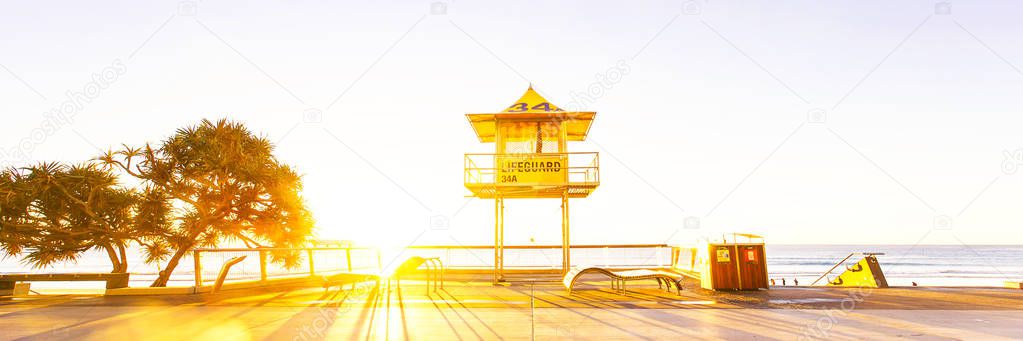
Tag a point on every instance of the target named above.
point(468, 309)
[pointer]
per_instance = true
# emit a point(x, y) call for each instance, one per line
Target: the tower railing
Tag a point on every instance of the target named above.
point(583, 168)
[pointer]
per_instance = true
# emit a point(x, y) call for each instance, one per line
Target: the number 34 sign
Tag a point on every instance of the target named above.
point(524, 107)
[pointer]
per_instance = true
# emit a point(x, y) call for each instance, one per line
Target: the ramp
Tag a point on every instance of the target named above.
point(866, 273)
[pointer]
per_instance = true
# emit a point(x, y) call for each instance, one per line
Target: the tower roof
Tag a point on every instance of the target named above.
point(531, 106)
point(532, 102)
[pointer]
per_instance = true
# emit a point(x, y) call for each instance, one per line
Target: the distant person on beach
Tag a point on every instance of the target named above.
point(795, 281)
point(772, 282)
point(782, 281)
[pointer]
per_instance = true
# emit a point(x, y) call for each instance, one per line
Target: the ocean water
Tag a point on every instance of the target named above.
point(928, 265)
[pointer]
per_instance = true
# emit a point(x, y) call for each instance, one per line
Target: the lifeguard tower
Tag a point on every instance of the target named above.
point(531, 161)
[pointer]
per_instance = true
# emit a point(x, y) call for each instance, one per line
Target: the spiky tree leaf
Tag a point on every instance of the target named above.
point(218, 181)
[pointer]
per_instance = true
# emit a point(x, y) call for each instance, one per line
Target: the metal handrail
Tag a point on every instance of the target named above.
point(833, 268)
point(448, 248)
point(532, 247)
point(248, 249)
point(264, 252)
point(843, 262)
point(471, 165)
point(222, 276)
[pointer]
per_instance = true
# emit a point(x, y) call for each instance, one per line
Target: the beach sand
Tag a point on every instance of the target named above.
point(469, 307)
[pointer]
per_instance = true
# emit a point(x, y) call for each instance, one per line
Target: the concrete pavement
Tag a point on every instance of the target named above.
point(476, 310)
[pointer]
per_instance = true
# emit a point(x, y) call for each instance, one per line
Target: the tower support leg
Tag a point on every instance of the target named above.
point(566, 251)
point(498, 239)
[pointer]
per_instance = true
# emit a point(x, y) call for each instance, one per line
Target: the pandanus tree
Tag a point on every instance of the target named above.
point(214, 182)
point(52, 213)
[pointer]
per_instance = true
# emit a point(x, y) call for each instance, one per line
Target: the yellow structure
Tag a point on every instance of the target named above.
point(866, 273)
point(531, 161)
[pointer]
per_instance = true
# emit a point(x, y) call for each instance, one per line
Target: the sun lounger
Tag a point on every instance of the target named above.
point(434, 273)
point(340, 279)
point(664, 279)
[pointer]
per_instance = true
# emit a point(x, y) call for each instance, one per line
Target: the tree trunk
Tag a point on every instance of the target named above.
point(118, 267)
point(124, 258)
point(161, 281)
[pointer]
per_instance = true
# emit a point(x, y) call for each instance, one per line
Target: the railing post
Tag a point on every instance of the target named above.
point(348, 258)
point(380, 264)
point(198, 268)
point(312, 268)
point(262, 265)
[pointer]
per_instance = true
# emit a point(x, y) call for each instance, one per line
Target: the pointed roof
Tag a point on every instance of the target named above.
point(531, 106)
point(532, 102)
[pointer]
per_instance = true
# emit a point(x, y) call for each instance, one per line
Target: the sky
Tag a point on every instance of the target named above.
point(807, 122)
